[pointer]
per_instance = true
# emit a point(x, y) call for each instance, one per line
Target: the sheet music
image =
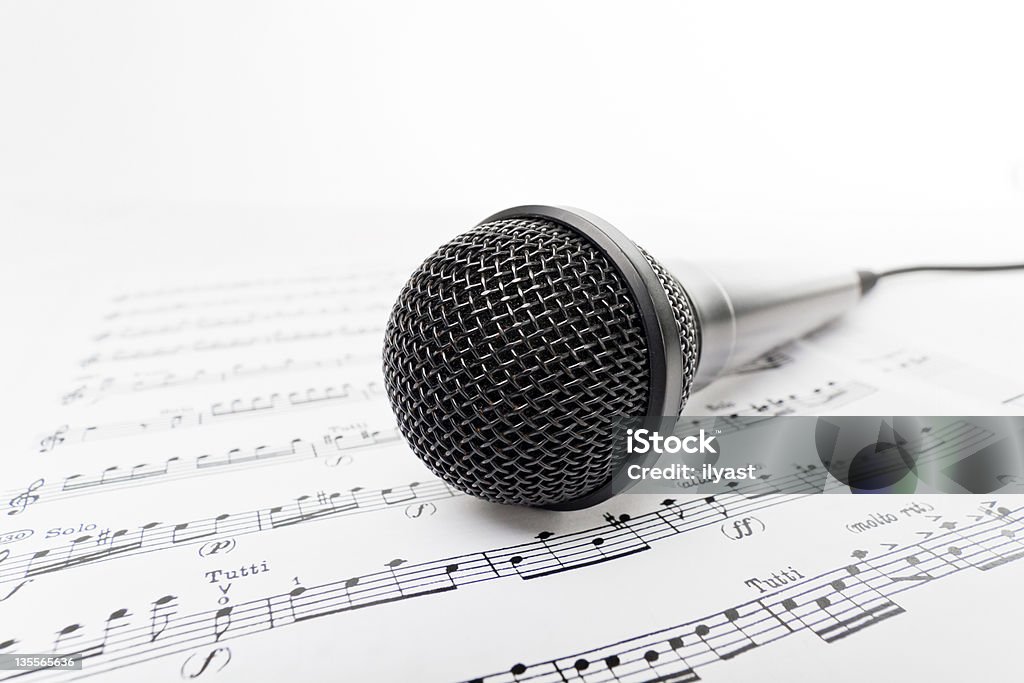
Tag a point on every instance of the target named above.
point(209, 485)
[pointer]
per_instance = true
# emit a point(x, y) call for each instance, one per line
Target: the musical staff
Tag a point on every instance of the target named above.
point(676, 517)
point(96, 389)
point(620, 537)
point(332, 449)
point(934, 369)
point(235, 320)
point(357, 282)
point(257, 406)
point(769, 361)
point(832, 605)
point(832, 394)
point(202, 345)
point(103, 546)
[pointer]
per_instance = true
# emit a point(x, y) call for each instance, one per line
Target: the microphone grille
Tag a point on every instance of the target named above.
point(509, 354)
point(686, 323)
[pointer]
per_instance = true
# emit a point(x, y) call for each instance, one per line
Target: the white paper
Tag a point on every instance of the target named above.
point(211, 486)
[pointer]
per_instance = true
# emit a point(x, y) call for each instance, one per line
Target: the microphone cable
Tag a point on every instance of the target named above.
point(868, 279)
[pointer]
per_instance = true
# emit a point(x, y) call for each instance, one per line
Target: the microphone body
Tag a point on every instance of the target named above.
point(744, 311)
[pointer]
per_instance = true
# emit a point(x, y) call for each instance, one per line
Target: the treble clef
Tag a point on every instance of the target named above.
point(25, 498)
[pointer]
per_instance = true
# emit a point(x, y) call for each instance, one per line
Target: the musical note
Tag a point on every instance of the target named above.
point(69, 632)
point(714, 503)
point(392, 566)
point(849, 611)
point(913, 561)
point(391, 498)
point(190, 537)
point(326, 506)
point(113, 547)
point(160, 615)
point(726, 631)
point(222, 622)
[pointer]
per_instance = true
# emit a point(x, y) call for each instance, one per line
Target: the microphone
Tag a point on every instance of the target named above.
point(513, 349)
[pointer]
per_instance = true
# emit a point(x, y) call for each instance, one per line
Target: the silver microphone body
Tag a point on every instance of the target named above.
point(746, 310)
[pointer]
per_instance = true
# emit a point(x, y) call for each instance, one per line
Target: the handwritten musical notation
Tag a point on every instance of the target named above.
point(253, 407)
point(832, 605)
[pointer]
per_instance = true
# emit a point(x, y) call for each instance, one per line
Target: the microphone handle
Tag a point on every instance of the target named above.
point(745, 311)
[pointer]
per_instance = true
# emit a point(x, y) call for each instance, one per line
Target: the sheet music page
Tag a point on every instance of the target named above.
point(203, 480)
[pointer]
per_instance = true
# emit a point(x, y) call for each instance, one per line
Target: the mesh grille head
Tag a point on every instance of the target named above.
point(686, 325)
point(509, 354)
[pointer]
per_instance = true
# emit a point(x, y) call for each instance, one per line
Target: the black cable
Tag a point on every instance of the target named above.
point(868, 279)
point(965, 269)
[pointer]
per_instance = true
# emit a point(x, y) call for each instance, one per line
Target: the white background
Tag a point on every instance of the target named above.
point(820, 116)
point(191, 141)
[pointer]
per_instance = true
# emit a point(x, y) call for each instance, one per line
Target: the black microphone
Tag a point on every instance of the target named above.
point(512, 351)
